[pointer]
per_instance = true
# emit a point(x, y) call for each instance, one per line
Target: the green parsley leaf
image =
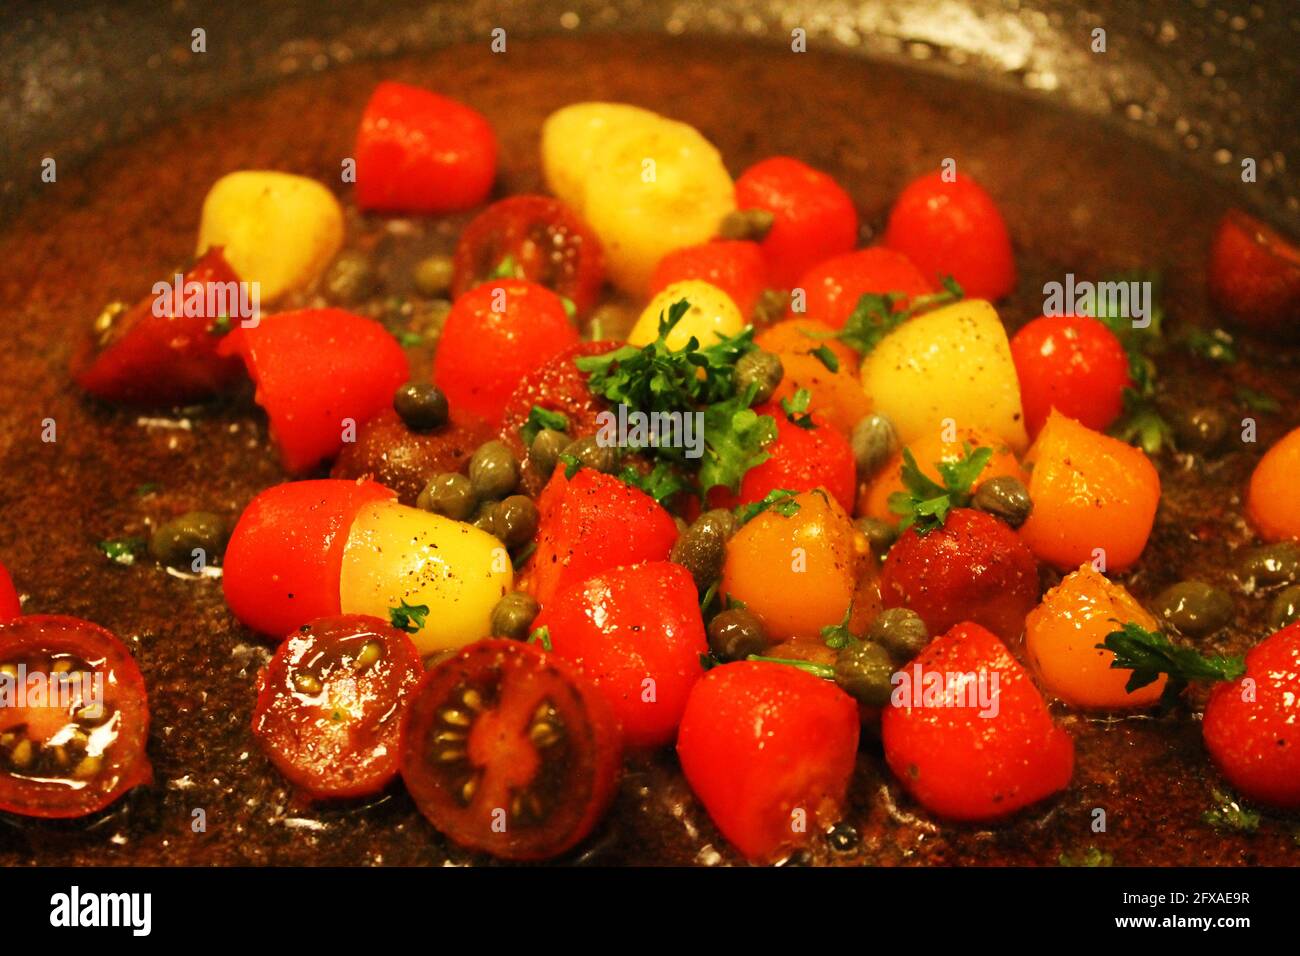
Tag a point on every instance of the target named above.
point(524, 554)
point(1229, 814)
point(506, 269)
point(1089, 857)
point(926, 503)
point(409, 339)
point(1213, 344)
point(1148, 654)
point(541, 636)
point(660, 483)
point(824, 671)
point(571, 465)
point(1142, 425)
point(828, 358)
point(570, 309)
point(735, 437)
point(796, 409)
point(122, 550)
point(839, 636)
point(408, 617)
point(780, 500)
point(220, 325)
point(876, 315)
point(1258, 401)
point(539, 418)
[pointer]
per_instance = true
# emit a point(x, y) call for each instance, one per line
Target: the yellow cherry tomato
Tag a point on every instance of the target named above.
point(570, 137)
point(712, 316)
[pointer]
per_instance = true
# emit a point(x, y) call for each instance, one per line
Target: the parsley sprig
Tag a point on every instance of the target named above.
point(877, 314)
point(408, 617)
point(1148, 654)
point(1141, 423)
point(796, 409)
point(539, 418)
point(926, 503)
point(780, 500)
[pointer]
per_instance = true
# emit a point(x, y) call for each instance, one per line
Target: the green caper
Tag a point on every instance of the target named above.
point(450, 494)
point(351, 277)
point(1004, 497)
point(703, 547)
point(874, 440)
point(1194, 607)
point(513, 615)
point(1271, 564)
point(761, 369)
point(865, 671)
point(900, 631)
point(1201, 429)
point(736, 633)
point(746, 224)
point(881, 535)
point(514, 520)
point(1285, 608)
point(485, 516)
point(493, 470)
point(592, 454)
point(174, 542)
point(771, 306)
point(546, 449)
point(421, 405)
point(433, 276)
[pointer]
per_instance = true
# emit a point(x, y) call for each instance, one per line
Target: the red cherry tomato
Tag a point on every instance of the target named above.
point(812, 217)
point(1254, 275)
point(974, 568)
point(316, 371)
point(422, 153)
point(736, 268)
point(834, 287)
point(1075, 365)
point(637, 634)
point(80, 744)
point(494, 335)
point(763, 745)
point(10, 606)
point(954, 229)
point(282, 565)
point(547, 243)
point(590, 523)
point(330, 705)
point(169, 359)
point(969, 759)
point(508, 751)
point(1253, 730)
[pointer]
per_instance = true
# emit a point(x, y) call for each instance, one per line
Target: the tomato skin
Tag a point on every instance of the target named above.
point(1074, 364)
point(315, 369)
point(160, 360)
point(758, 740)
point(974, 569)
point(833, 287)
point(963, 766)
point(954, 228)
point(282, 564)
point(10, 606)
point(1254, 275)
point(483, 353)
point(735, 267)
point(419, 152)
point(626, 625)
point(1271, 503)
point(126, 763)
point(590, 523)
point(813, 218)
point(1253, 737)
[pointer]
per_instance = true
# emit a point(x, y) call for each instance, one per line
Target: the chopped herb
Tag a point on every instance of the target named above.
point(506, 269)
point(524, 554)
point(839, 636)
point(827, 357)
point(824, 671)
point(735, 439)
point(1141, 423)
point(1258, 401)
point(570, 309)
point(796, 409)
point(122, 550)
point(571, 465)
point(220, 325)
point(926, 503)
point(876, 315)
point(1213, 344)
point(1230, 815)
point(709, 595)
point(1149, 654)
point(1089, 857)
point(408, 617)
point(410, 339)
point(539, 418)
point(781, 500)
point(541, 636)
point(660, 483)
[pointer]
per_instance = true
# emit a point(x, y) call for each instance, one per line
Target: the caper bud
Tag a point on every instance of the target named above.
point(450, 494)
point(702, 549)
point(874, 440)
point(881, 535)
point(736, 633)
point(1285, 608)
point(485, 516)
point(746, 224)
point(514, 520)
point(433, 276)
point(548, 445)
point(1004, 497)
point(759, 368)
point(513, 615)
point(351, 277)
point(771, 306)
point(844, 837)
point(1200, 429)
point(421, 405)
point(1194, 607)
point(174, 542)
point(493, 470)
point(1271, 564)
point(864, 670)
point(900, 631)
point(592, 454)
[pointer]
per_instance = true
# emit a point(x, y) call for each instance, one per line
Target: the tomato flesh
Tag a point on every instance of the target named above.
point(10, 606)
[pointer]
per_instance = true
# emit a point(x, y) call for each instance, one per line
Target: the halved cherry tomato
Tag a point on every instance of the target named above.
point(282, 565)
point(832, 288)
point(319, 373)
point(967, 758)
point(494, 335)
point(169, 359)
point(769, 750)
point(813, 218)
point(420, 152)
point(1254, 275)
point(736, 268)
point(330, 705)
point(637, 633)
point(80, 744)
point(546, 242)
point(10, 606)
point(508, 751)
point(954, 229)
point(1073, 364)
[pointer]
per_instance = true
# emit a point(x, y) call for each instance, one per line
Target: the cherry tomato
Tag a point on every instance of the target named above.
point(494, 335)
point(736, 268)
point(769, 750)
point(420, 152)
point(833, 287)
point(508, 751)
point(964, 758)
point(10, 606)
point(637, 634)
point(812, 217)
point(543, 239)
point(282, 565)
point(330, 705)
point(1073, 364)
point(1254, 275)
point(170, 359)
point(319, 373)
point(954, 229)
point(80, 744)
